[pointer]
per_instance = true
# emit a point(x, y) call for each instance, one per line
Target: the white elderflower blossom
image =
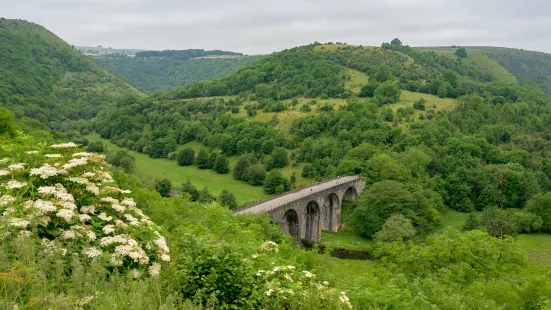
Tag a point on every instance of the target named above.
point(109, 200)
point(68, 205)
point(14, 185)
point(44, 206)
point(269, 246)
point(18, 166)
point(47, 171)
point(88, 209)
point(53, 155)
point(308, 274)
point(31, 152)
point(108, 229)
point(121, 224)
point(135, 273)
point(84, 218)
point(67, 235)
point(82, 154)
point(4, 200)
point(165, 258)
point(161, 243)
point(92, 252)
point(126, 191)
point(118, 208)
point(64, 145)
point(129, 202)
point(20, 223)
point(47, 190)
point(154, 270)
point(90, 235)
point(4, 173)
point(75, 162)
point(288, 277)
point(92, 188)
point(9, 211)
point(65, 214)
point(104, 217)
point(88, 175)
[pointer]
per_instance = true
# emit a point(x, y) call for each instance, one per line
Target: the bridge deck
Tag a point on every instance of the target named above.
point(276, 202)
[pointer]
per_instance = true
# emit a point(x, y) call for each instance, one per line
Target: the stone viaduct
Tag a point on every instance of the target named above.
point(304, 213)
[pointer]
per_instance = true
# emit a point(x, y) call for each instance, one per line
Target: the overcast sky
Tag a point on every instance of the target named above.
point(258, 26)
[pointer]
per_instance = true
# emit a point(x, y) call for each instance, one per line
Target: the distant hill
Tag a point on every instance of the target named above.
point(186, 54)
point(167, 73)
point(44, 78)
point(508, 64)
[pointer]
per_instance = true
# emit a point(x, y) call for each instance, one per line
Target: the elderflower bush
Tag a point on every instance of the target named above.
point(68, 200)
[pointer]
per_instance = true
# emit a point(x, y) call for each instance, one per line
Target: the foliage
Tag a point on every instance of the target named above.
point(186, 157)
point(205, 196)
point(191, 190)
point(163, 187)
point(122, 159)
point(203, 159)
point(396, 228)
point(276, 183)
point(461, 52)
point(221, 165)
point(227, 199)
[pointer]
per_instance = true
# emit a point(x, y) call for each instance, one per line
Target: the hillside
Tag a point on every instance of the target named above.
point(530, 67)
point(46, 79)
point(168, 73)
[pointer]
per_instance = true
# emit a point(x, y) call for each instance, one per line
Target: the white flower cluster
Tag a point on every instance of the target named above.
point(269, 246)
point(66, 207)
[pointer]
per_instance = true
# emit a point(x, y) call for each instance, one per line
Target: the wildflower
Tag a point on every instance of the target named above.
point(135, 273)
point(14, 185)
point(161, 243)
point(82, 154)
point(269, 246)
point(88, 175)
point(68, 205)
point(288, 277)
point(47, 171)
point(47, 190)
point(107, 229)
point(126, 191)
point(325, 283)
point(24, 233)
point(4, 173)
point(121, 224)
point(104, 217)
point(64, 145)
point(92, 252)
point(8, 211)
point(53, 155)
point(291, 267)
point(66, 214)
point(90, 235)
point(16, 167)
point(31, 152)
point(269, 292)
point(307, 274)
point(109, 200)
point(20, 223)
point(87, 209)
point(84, 218)
point(165, 258)
point(44, 206)
point(260, 272)
point(92, 188)
point(129, 202)
point(118, 208)
point(75, 162)
point(67, 234)
point(254, 255)
point(4, 200)
point(154, 270)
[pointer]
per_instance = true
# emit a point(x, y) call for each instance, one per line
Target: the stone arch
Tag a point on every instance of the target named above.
point(312, 221)
point(331, 207)
point(292, 223)
point(350, 194)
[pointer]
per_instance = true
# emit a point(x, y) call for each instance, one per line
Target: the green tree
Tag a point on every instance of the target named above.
point(203, 159)
point(383, 74)
point(163, 187)
point(191, 190)
point(388, 92)
point(255, 174)
point(461, 52)
point(279, 158)
point(186, 157)
point(368, 90)
point(240, 168)
point(420, 105)
point(205, 196)
point(122, 159)
point(227, 199)
point(221, 165)
point(472, 222)
point(7, 125)
point(498, 222)
point(396, 41)
point(540, 205)
point(96, 147)
point(276, 183)
point(383, 199)
point(396, 228)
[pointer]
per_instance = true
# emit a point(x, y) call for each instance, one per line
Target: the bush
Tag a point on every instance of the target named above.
point(221, 165)
point(541, 206)
point(203, 159)
point(396, 228)
point(96, 147)
point(420, 105)
point(122, 159)
point(228, 200)
point(191, 190)
point(276, 183)
point(163, 187)
point(255, 174)
point(205, 196)
point(186, 157)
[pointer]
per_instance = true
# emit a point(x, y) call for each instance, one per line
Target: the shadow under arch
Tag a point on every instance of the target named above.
point(331, 205)
point(312, 221)
point(350, 194)
point(292, 223)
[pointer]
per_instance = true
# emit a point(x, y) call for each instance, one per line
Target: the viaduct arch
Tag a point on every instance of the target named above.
point(304, 213)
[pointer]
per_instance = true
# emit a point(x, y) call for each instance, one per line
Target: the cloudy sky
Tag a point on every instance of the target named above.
point(259, 26)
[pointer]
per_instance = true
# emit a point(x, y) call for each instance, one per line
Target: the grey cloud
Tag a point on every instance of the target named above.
point(259, 26)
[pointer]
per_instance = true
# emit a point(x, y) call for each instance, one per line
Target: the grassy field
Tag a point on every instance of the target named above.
point(489, 65)
point(453, 219)
point(341, 240)
point(357, 80)
point(150, 169)
point(537, 247)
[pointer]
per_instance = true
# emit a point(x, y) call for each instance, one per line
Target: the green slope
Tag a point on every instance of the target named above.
point(46, 79)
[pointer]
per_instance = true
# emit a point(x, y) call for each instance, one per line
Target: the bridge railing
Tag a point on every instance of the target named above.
point(297, 189)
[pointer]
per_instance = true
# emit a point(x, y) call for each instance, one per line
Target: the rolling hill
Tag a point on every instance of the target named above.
point(46, 79)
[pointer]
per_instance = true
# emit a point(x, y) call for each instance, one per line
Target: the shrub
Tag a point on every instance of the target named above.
point(396, 228)
point(163, 187)
point(186, 157)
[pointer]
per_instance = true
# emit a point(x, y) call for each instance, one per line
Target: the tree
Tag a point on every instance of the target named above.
point(472, 222)
point(541, 205)
point(383, 199)
point(279, 158)
point(396, 41)
point(163, 187)
point(190, 189)
point(221, 165)
point(203, 159)
point(255, 174)
point(276, 183)
point(461, 52)
point(205, 196)
point(7, 125)
point(498, 223)
point(419, 105)
point(293, 178)
point(388, 92)
point(96, 147)
point(383, 74)
point(122, 159)
point(368, 90)
point(396, 228)
point(243, 163)
point(227, 199)
point(186, 157)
